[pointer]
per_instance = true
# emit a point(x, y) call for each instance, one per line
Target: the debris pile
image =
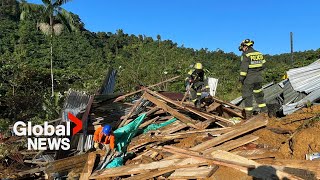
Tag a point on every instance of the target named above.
point(159, 136)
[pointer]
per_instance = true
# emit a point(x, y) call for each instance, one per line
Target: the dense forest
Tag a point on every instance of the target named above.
point(81, 59)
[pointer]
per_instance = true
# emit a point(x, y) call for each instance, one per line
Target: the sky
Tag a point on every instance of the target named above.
point(208, 24)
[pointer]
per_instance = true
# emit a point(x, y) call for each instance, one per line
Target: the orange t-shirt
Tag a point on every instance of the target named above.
point(99, 136)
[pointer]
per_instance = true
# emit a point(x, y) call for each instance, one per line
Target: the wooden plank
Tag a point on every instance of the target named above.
point(233, 143)
point(36, 162)
point(66, 164)
point(148, 122)
point(193, 173)
point(151, 111)
point(252, 124)
point(132, 93)
point(261, 171)
point(198, 155)
point(226, 103)
point(150, 174)
point(188, 121)
point(144, 168)
point(262, 156)
point(213, 106)
point(233, 112)
point(212, 131)
point(133, 108)
point(87, 170)
point(195, 111)
point(31, 171)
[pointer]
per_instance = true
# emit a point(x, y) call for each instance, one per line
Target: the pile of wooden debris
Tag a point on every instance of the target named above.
point(192, 147)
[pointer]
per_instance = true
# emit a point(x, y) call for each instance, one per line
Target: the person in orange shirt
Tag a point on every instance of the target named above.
point(104, 135)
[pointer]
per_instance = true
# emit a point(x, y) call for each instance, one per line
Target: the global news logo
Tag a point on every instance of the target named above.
point(46, 136)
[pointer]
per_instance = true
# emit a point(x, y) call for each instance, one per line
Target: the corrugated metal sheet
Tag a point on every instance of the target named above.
point(74, 103)
point(88, 142)
point(47, 157)
point(290, 108)
point(305, 79)
point(109, 82)
point(289, 93)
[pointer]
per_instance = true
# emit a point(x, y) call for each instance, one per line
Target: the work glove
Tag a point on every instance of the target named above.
point(241, 79)
point(96, 145)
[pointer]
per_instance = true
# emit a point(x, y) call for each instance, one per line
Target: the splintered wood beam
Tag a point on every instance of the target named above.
point(199, 156)
point(188, 121)
point(147, 123)
point(145, 168)
point(227, 103)
point(213, 106)
point(199, 113)
point(87, 169)
point(124, 121)
point(252, 124)
point(151, 86)
point(150, 174)
point(233, 143)
point(212, 131)
point(233, 112)
point(194, 173)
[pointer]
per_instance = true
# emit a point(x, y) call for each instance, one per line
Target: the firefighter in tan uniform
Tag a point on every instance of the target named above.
point(252, 65)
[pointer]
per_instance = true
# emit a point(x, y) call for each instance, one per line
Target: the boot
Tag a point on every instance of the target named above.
point(197, 104)
point(264, 110)
point(248, 114)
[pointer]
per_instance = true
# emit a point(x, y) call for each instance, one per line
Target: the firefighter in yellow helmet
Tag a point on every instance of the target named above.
point(251, 68)
point(196, 82)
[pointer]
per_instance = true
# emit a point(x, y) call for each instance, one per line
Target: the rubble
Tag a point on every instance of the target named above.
point(299, 90)
point(159, 136)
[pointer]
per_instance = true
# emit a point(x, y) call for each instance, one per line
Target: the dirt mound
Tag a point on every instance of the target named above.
point(294, 135)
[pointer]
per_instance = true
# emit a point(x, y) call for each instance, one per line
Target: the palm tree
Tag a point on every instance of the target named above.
point(54, 18)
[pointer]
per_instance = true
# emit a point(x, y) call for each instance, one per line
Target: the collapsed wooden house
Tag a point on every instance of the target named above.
point(193, 145)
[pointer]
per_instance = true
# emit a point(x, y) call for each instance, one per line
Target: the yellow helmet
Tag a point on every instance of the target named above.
point(246, 42)
point(198, 66)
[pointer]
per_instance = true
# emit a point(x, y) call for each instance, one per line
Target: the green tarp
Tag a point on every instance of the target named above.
point(124, 135)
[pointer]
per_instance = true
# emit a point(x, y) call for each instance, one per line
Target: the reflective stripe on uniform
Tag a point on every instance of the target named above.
point(257, 91)
point(253, 54)
point(248, 108)
point(262, 105)
point(194, 100)
point(198, 94)
point(207, 87)
point(243, 73)
point(255, 65)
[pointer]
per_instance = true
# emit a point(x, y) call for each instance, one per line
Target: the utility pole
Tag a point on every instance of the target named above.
point(291, 44)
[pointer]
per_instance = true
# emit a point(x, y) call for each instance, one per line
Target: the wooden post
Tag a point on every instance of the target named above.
point(291, 45)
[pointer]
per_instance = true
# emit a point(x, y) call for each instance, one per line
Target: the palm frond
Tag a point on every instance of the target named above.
point(66, 19)
point(46, 2)
point(60, 2)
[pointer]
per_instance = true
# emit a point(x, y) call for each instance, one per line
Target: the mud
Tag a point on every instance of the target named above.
point(304, 138)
